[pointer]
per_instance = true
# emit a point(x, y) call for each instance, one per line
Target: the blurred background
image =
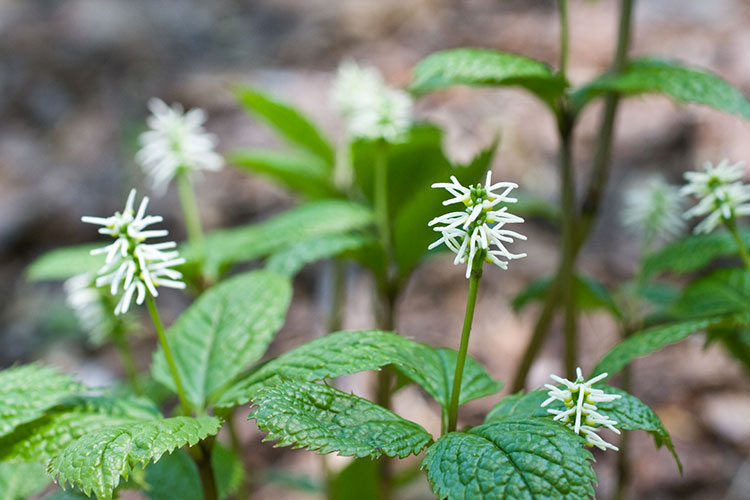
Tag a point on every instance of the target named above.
point(75, 76)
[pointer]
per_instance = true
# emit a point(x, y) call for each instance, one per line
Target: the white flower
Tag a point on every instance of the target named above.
point(581, 414)
point(479, 226)
point(86, 303)
point(722, 195)
point(137, 266)
point(653, 209)
point(372, 109)
point(177, 140)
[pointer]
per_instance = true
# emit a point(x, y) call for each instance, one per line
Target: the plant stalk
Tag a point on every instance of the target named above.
point(201, 454)
point(471, 302)
point(731, 224)
point(126, 356)
point(562, 7)
point(381, 194)
point(151, 304)
point(190, 210)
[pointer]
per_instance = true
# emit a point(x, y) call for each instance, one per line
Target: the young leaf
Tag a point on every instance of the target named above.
point(303, 173)
point(27, 391)
point(648, 341)
point(293, 126)
point(485, 67)
point(590, 295)
point(319, 417)
point(723, 292)
point(21, 481)
point(293, 258)
point(343, 353)
point(63, 263)
point(45, 437)
point(519, 458)
point(96, 461)
point(693, 252)
point(681, 82)
point(227, 329)
point(229, 246)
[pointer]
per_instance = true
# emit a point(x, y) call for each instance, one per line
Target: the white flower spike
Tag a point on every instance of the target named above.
point(86, 303)
point(721, 193)
point(580, 412)
point(371, 108)
point(137, 266)
point(653, 209)
point(176, 140)
point(475, 229)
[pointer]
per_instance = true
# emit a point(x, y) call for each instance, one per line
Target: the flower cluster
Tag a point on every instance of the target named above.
point(471, 233)
point(86, 302)
point(654, 210)
point(176, 140)
point(580, 412)
point(721, 192)
point(372, 109)
point(136, 266)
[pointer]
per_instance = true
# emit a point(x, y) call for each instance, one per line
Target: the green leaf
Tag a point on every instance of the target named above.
point(648, 341)
point(45, 437)
point(312, 220)
point(485, 67)
point(27, 391)
point(293, 126)
point(227, 329)
point(590, 295)
point(318, 417)
point(300, 172)
point(343, 353)
point(358, 480)
point(21, 481)
point(63, 263)
point(723, 292)
point(96, 461)
point(693, 252)
point(681, 82)
point(628, 411)
point(518, 458)
point(293, 258)
point(176, 475)
point(413, 166)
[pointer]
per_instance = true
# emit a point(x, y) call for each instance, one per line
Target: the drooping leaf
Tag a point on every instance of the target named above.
point(628, 411)
point(693, 252)
point(96, 461)
point(485, 67)
point(311, 220)
point(318, 417)
point(227, 329)
point(176, 475)
point(303, 173)
point(681, 82)
point(45, 437)
point(63, 263)
point(590, 295)
point(648, 341)
point(21, 481)
point(293, 258)
point(289, 122)
point(726, 291)
point(413, 166)
point(27, 391)
point(342, 353)
point(519, 458)
point(735, 340)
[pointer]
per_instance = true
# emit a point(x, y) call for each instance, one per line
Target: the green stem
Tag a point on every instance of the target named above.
point(151, 304)
point(201, 454)
point(190, 210)
point(126, 356)
point(338, 296)
point(562, 6)
point(381, 194)
point(242, 490)
point(732, 226)
point(471, 302)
